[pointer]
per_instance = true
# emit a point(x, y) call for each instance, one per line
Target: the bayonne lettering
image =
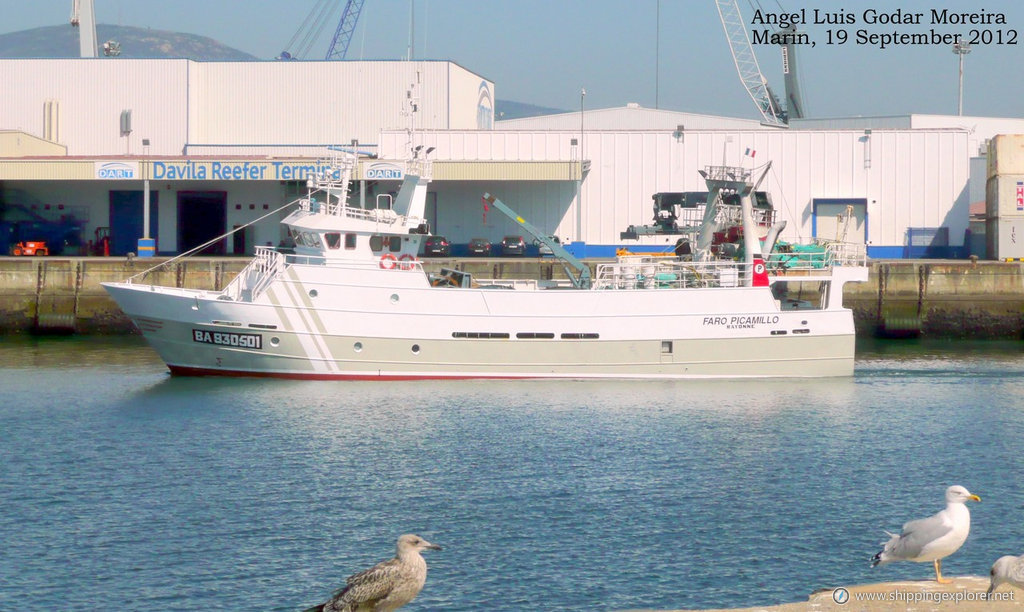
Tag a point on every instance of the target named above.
point(252, 341)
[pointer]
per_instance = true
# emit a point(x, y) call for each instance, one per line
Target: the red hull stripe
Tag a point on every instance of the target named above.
point(190, 371)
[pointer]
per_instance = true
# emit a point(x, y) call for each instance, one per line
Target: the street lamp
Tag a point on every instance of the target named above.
point(961, 48)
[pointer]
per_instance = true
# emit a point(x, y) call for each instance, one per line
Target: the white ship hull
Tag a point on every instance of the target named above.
point(390, 324)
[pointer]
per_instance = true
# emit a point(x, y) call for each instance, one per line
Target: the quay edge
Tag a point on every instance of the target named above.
point(902, 298)
point(964, 593)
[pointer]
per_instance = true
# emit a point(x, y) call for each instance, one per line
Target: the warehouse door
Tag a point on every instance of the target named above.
point(202, 216)
point(126, 212)
point(843, 219)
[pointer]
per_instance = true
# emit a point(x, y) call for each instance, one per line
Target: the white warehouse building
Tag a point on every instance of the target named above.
point(229, 142)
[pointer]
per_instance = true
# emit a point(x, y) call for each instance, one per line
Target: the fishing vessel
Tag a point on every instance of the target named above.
point(354, 302)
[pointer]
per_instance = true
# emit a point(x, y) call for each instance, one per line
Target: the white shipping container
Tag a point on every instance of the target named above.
point(1004, 196)
point(1005, 238)
point(1006, 155)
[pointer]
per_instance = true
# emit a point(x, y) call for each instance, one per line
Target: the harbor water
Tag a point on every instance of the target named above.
point(122, 488)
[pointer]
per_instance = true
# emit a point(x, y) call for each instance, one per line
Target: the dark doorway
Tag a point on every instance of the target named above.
point(202, 216)
point(126, 211)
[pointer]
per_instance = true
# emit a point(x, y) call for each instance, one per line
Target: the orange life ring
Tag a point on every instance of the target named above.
point(407, 261)
point(387, 261)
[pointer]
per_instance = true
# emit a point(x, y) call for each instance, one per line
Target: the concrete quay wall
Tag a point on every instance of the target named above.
point(953, 299)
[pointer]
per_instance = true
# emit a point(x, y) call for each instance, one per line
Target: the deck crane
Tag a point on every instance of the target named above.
point(750, 72)
point(313, 26)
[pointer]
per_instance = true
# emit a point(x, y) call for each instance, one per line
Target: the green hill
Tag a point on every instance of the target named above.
point(62, 41)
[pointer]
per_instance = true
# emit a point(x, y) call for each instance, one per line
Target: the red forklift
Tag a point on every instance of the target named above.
point(29, 248)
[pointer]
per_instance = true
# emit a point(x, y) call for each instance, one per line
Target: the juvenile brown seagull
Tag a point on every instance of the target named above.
point(387, 586)
point(933, 538)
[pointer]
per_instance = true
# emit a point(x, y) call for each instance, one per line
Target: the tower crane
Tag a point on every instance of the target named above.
point(314, 24)
point(750, 72)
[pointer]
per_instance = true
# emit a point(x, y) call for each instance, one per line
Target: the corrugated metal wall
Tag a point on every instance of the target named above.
point(630, 118)
point(909, 178)
point(176, 103)
point(91, 95)
point(312, 102)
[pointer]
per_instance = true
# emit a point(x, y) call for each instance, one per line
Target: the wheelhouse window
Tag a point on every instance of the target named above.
point(350, 241)
point(333, 240)
point(396, 244)
point(376, 243)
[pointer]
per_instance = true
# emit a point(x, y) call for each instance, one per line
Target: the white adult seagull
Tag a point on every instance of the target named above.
point(933, 538)
point(1008, 570)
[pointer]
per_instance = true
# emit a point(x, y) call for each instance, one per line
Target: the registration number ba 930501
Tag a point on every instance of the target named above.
point(253, 341)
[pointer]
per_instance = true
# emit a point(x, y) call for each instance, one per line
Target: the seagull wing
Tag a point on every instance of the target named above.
point(367, 587)
point(1017, 571)
point(918, 534)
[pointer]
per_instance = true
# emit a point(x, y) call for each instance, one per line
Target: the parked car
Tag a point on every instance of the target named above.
point(513, 245)
point(479, 247)
point(437, 246)
point(545, 250)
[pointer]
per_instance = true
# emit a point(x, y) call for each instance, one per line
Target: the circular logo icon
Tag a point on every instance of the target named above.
point(759, 269)
point(840, 596)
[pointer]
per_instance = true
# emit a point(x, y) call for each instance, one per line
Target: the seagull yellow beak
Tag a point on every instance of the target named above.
point(974, 497)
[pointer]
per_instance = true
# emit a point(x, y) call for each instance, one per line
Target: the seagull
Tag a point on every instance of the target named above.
point(933, 538)
point(1008, 569)
point(387, 586)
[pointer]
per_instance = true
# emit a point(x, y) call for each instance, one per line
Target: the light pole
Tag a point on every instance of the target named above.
point(579, 187)
point(657, 53)
point(961, 49)
point(147, 245)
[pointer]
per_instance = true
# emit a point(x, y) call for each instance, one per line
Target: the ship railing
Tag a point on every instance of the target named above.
point(726, 215)
point(382, 216)
point(641, 272)
point(332, 178)
point(646, 272)
point(351, 264)
point(266, 265)
point(846, 253)
point(822, 255)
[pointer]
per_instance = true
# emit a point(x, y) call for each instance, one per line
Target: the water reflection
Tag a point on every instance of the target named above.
point(194, 493)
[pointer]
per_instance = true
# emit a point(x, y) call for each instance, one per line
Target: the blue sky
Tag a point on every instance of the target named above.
point(544, 51)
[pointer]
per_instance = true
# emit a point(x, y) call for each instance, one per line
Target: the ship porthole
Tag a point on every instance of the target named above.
point(313, 293)
point(275, 341)
point(358, 346)
point(394, 298)
point(415, 349)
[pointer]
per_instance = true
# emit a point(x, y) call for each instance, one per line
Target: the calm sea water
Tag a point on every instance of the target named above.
point(123, 488)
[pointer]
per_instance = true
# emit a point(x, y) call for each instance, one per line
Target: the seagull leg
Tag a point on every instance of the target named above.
point(938, 573)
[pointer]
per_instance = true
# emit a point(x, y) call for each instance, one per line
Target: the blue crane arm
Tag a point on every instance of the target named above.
point(582, 278)
point(346, 27)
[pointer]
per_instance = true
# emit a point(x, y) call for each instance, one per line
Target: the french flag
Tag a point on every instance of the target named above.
point(750, 152)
